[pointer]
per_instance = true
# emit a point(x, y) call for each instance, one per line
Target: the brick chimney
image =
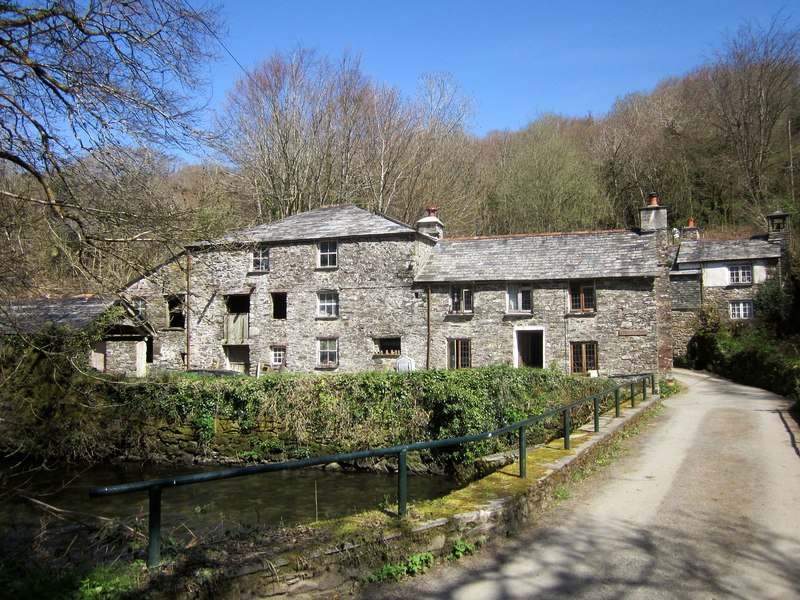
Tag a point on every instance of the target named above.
point(430, 224)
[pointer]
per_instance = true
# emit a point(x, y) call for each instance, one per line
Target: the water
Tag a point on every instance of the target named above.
point(264, 500)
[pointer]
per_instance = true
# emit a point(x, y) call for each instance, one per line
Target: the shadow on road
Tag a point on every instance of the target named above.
point(620, 560)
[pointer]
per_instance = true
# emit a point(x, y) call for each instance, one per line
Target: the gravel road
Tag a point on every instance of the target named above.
point(704, 503)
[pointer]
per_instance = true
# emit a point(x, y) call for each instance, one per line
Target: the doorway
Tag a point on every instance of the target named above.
point(529, 348)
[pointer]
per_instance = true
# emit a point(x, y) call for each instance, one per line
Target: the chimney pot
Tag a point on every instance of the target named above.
point(653, 199)
point(690, 222)
point(432, 210)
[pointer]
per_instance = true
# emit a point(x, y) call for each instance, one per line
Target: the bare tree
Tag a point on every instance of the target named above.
point(752, 86)
point(93, 79)
point(302, 130)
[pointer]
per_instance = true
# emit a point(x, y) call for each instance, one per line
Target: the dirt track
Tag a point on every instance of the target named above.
point(705, 503)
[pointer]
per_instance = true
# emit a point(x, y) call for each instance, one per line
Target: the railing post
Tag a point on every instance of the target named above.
point(523, 453)
point(644, 389)
point(596, 414)
point(154, 522)
point(567, 426)
point(633, 394)
point(616, 402)
point(402, 483)
point(653, 383)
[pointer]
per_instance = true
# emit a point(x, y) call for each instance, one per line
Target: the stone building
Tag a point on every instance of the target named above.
point(724, 275)
point(339, 289)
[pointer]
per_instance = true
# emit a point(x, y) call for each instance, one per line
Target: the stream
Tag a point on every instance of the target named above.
point(266, 500)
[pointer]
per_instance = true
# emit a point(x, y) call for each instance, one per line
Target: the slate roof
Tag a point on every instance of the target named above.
point(561, 256)
point(29, 315)
point(331, 222)
point(698, 251)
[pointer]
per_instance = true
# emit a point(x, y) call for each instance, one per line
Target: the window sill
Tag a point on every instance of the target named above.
point(518, 314)
point(739, 285)
point(392, 355)
point(326, 268)
point(173, 329)
point(258, 272)
point(463, 315)
point(327, 318)
point(580, 315)
point(232, 342)
point(326, 367)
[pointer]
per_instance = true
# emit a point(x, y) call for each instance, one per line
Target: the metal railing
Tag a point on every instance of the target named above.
point(154, 487)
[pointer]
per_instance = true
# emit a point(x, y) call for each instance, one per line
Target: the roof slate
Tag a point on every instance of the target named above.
point(29, 315)
point(331, 222)
point(697, 251)
point(542, 257)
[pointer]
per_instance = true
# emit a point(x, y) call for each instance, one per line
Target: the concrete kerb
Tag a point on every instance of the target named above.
point(338, 570)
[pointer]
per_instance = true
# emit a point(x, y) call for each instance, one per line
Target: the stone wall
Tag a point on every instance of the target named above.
point(376, 300)
point(623, 326)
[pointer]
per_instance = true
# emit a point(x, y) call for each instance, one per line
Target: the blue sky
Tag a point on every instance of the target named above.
point(514, 59)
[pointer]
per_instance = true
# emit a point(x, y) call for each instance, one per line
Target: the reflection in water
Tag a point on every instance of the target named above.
point(266, 500)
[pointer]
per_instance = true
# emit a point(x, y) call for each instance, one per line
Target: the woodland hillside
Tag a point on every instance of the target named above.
point(92, 194)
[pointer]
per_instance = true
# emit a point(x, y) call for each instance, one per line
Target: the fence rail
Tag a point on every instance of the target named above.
point(154, 487)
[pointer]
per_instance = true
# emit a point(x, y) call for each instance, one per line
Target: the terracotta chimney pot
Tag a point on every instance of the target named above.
point(653, 199)
point(690, 223)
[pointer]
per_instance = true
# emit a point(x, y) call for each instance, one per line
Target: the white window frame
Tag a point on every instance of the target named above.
point(516, 295)
point(139, 307)
point(740, 310)
point(328, 305)
point(328, 348)
point(260, 259)
point(462, 300)
point(740, 274)
point(277, 355)
point(328, 255)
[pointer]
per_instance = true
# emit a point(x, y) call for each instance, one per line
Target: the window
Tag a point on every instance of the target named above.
point(460, 299)
point(459, 354)
point(584, 357)
point(139, 307)
point(328, 352)
point(520, 298)
point(261, 259)
point(237, 304)
point(581, 297)
point(278, 358)
point(388, 346)
point(740, 274)
point(279, 305)
point(176, 315)
point(328, 304)
point(741, 309)
point(328, 255)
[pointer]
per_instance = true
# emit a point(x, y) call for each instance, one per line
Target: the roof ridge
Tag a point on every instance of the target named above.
point(530, 235)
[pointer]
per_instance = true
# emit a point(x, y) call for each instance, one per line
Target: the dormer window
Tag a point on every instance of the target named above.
point(261, 259)
point(328, 255)
point(740, 274)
